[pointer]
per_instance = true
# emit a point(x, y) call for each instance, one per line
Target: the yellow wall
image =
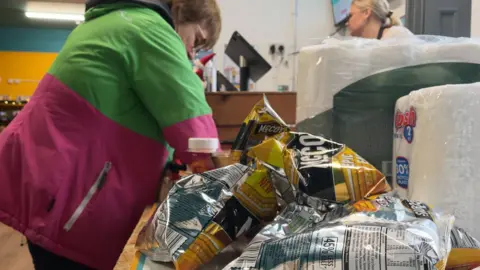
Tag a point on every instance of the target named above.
point(28, 66)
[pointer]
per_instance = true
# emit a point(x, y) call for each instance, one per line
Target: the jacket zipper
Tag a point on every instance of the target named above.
point(97, 186)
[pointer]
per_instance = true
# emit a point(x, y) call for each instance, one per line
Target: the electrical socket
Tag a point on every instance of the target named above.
point(272, 49)
point(281, 50)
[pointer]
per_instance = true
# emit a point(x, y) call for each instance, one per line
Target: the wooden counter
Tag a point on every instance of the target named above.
point(231, 108)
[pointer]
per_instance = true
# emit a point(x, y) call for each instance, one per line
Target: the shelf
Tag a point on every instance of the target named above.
point(3, 105)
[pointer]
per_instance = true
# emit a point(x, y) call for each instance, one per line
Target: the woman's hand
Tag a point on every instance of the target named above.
point(202, 166)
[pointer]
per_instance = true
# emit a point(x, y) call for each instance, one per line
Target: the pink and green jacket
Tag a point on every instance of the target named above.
point(85, 156)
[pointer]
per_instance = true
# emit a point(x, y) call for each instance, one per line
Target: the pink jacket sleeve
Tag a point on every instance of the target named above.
point(178, 134)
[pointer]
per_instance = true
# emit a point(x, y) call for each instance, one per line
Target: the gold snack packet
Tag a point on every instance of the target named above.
point(465, 252)
point(206, 212)
point(261, 123)
point(463, 259)
point(321, 168)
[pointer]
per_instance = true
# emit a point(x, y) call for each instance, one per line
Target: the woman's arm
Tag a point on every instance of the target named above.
point(171, 91)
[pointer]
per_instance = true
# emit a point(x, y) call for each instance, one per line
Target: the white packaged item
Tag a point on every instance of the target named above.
point(347, 89)
point(437, 150)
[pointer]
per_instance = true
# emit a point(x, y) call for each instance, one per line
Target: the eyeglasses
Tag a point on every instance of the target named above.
point(199, 44)
point(200, 41)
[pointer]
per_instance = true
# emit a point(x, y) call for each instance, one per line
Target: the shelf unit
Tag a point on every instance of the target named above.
point(8, 111)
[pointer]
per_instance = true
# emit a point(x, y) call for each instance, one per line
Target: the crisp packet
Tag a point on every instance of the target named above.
point(398, 235)
point(286, 192)
point(262, 122)
point(321, 168)
point(465, 253)
point(204, 213)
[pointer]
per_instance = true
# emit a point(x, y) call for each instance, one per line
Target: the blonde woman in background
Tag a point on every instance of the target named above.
point(373, 19)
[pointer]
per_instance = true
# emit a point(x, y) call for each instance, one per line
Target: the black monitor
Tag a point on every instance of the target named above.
point(252, 65)
point(223, 81)
point(341, 11)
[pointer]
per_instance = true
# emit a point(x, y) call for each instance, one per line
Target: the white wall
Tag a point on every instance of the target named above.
point(314, 21)
point(398, 7)
point(266, 22)
point(475, 20)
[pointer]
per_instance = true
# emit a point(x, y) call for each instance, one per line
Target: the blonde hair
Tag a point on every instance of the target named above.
point(381, 9)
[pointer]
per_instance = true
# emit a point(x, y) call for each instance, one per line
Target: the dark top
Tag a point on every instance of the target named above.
point(157, 5)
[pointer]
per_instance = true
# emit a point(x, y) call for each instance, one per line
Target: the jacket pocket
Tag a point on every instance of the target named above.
point(96, 187)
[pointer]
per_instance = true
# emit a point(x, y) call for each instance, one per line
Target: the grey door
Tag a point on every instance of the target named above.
point(439, 17)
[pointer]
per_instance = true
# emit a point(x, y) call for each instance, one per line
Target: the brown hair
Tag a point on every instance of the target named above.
point(204, 12)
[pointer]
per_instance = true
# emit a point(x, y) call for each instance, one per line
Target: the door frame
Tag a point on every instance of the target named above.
point(415, 16)
point(415, 19)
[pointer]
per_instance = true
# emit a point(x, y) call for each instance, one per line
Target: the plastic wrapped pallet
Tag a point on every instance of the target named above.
point(436, 150)
point(347, 89)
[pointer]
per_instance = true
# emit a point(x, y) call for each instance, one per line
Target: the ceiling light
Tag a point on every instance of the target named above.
point(55, 16)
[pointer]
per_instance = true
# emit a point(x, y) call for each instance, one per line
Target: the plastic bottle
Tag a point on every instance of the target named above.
point(208, 157)
point(203, 149)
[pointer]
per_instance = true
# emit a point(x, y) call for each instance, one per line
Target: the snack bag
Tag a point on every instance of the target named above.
point(465, 253)
point(303, 237)
point(321, 168)
point(206, 212)
point(286, 192)
point(262, 122)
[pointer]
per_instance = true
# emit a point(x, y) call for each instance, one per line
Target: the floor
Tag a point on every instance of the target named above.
point(13, 256)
